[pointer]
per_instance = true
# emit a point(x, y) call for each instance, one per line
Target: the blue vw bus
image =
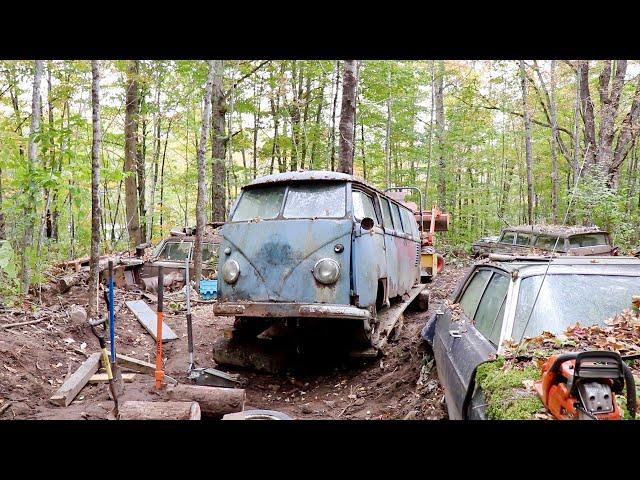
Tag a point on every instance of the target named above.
point(315, 245)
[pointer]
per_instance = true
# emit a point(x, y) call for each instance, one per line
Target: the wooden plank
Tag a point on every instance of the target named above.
point(102, 378)
point(69, 389)
point(136, 365)
point(148, 320)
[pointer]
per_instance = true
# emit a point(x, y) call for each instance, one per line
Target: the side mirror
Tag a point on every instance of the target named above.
point(367, 223)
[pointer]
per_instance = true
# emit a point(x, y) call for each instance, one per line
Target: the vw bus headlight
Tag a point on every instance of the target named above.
point(326, 271)
point(230, 271)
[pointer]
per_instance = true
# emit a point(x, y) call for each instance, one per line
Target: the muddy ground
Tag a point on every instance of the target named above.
point(35, 359)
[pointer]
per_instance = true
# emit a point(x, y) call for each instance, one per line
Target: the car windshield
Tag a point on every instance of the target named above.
point(262, 203)
point(565, 300)
point(316, 200)
point(175, 251)
point(588, 240)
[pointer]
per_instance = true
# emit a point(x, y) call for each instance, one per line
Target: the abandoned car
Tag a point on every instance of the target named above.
point(563, 240)
point(172, 252)
point(316, 245)
point(500, 300)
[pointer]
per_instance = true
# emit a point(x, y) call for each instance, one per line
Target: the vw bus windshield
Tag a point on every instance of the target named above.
point(262, 203)
point(311, 201)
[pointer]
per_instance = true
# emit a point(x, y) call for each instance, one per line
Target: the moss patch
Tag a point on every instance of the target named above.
point(505, 393)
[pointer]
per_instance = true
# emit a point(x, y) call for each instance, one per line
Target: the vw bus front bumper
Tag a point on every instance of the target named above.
point(290, 310)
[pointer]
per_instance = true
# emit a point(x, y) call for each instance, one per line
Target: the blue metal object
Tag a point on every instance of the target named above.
point(112, 318)
point(276, 257)
point(208, 289)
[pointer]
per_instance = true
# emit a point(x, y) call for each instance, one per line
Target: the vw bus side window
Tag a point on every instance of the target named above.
point(395, 211)
point(386, 213)
point(262, 203)
point(363, 206)
point(311, 201)
point(406, 221)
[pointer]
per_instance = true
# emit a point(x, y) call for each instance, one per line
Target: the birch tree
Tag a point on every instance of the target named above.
point(200, 200)
point(527, 143)
point(130, 155)
point(347, 117)
point(32, 157)
point(94, 272)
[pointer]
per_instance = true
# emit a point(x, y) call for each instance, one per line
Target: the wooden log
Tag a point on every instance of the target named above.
point(72, 386)
point(68, 281)
point(77, 314)
point(138, 410)
point(214, 401)
point(102, 378)
point(136, 365)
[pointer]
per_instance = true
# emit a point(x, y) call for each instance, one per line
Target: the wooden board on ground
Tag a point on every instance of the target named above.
point(102, 378)
point(148, 320)
point(72, 386)
point(138, 410)
point(134, 364)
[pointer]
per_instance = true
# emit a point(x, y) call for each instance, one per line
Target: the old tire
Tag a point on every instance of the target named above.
point(258, 415)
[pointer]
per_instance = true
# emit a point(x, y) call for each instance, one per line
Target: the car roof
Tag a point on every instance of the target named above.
point(537, 265)
point(559, 230)
point(312, 176)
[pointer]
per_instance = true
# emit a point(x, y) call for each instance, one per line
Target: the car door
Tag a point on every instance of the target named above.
point(368, 253)
point(460, 344)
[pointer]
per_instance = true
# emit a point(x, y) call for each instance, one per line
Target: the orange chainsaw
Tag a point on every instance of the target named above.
point(583, 386)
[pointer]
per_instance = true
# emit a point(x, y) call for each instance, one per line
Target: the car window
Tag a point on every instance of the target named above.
point(588, 240)
point(363, 206)
point(262, 202)
point(409, 226)
point(523, 239)
point(546, 242)
point(565, 300)
point(316, 201)
point(473, 292)
point(175, 251)
point(395, 211)
point(386, 213)
point(486, 319)
point(507, 237)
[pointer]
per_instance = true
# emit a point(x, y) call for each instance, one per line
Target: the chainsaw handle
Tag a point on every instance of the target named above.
point(632, 401)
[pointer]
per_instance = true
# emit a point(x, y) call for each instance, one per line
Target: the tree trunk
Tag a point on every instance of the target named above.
point(94, 273)
point(156, 160)
point(528, 147)
point(442, 164)
point(256, 124)
point(32, 154)
point(347, 116)
point(141, 160)
point(130, 149)
point(387, 139)
point(200, 200)
point(333, 119)
point(219, 109)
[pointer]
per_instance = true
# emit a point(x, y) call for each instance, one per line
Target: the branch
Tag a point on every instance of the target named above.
point(244, 77)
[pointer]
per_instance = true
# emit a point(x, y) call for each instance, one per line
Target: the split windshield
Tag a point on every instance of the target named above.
point(326, 200)
point(568, 299)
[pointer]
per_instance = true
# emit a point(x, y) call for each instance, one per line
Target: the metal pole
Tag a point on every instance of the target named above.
point(159, 314)
point(112, 317)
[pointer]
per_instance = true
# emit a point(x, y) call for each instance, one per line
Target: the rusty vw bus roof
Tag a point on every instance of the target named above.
point(310, 176)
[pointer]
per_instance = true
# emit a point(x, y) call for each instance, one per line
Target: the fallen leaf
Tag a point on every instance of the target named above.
point(83, 345)
point(12, 370)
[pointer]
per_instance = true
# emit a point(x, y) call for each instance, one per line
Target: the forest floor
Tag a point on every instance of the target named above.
point(35, 360)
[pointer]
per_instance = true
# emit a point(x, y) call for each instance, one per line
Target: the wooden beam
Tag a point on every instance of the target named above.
point(102, 378)
point(148, 320)
point(72, 386)
point(136, 365)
